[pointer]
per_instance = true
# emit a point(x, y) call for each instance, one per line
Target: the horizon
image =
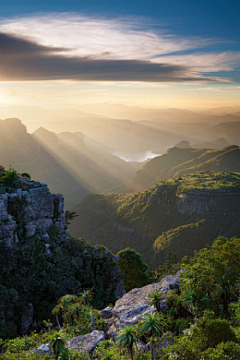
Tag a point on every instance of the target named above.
point(168, 54)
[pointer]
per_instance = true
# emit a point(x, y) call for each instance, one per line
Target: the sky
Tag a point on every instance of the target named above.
point(158, 53)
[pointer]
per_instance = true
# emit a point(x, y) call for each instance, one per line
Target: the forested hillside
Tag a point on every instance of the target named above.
point(178, 215)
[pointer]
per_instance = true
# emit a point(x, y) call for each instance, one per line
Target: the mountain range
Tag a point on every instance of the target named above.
point(186, 160)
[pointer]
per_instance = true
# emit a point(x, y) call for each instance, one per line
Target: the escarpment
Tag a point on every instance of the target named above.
point(178, 215)
point(40, 262)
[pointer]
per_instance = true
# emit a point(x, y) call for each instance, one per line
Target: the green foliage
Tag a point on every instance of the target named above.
point(69, 215)
point(179, 236)
point(202, 333)
point(30, 275)
point(223, 351)
point(169, 267)
point(134, 270)
point(57, 343)
point(127, 337)
point(107, 350)
point(26, 176)
point(155, 299)
point(211, 277)
point(167, 215)
point(152, 325)
point(10, 176)
point(211, 332)
point(76, 314)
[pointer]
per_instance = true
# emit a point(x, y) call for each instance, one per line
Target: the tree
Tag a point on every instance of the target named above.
point(127, 337)
point(153, 326)
point(57, 343)
point(134, 270)
point(211, 279)
point(155, 299)
point(69, 215)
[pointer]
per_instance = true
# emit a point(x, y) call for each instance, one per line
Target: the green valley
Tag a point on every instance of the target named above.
point(178, 215)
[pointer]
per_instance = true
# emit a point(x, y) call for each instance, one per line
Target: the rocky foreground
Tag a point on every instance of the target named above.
point(128, 310)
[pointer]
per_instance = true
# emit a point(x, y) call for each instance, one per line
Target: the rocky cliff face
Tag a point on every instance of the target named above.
point(41, 262)
point(188, 212)
point(29, 212)
point(201, 202)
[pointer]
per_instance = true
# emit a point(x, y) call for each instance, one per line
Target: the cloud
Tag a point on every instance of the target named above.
point(121, 39)
point(79, 48)
point(25, 60)
point(12, 45)
point(206, 62)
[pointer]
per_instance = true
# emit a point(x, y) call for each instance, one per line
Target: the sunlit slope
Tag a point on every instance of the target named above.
point(177, 161)
point(179, 215)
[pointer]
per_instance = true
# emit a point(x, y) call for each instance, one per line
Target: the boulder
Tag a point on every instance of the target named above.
point(86, 343)
point(41, 349)
point(107, 312)
point(134, 304)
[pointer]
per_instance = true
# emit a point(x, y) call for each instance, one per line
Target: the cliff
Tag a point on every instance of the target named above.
point(40, 262)
point(25, 213)
point(178, 215)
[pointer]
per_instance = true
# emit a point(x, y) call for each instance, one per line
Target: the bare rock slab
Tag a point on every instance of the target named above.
point(86, 343)
point(134, 304)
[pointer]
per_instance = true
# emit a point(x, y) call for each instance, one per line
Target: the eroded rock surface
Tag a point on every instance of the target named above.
point(86, 343)
point(134, 304)
point(30, 212)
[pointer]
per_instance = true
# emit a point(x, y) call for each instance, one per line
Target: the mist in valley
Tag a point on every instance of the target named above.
point(78, 151)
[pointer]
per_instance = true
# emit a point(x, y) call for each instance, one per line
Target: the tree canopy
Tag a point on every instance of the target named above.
point(133, 268)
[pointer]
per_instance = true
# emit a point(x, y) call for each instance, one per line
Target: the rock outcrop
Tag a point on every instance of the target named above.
point(86, 343)
point(203, 201)
point(32, 232)
point(134, 304)
point(128, 310)
point(30, 210)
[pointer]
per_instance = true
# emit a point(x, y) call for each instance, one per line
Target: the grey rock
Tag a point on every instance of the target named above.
point(202, 201)
point(134, 304)
point(86, 343)
point(38, 207)
point(42, 350)
point(30, 229)
point(107, 313)
point(48, 250)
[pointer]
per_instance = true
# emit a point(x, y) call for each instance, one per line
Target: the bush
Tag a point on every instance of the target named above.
point(10, 176)
point(224, 351)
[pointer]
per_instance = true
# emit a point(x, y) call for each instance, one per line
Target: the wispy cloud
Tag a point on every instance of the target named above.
point(97, 37)
point(205, 62)
point(74, 47)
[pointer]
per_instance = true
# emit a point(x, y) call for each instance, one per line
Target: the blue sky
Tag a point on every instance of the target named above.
point(216, 18)
point(167, 42)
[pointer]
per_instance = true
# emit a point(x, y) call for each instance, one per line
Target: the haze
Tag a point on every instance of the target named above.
point(101, 87)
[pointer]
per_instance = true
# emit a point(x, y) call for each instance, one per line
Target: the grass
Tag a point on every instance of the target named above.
point(206, 180)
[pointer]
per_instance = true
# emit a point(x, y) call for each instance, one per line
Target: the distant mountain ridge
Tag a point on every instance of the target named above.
point(178, 160)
